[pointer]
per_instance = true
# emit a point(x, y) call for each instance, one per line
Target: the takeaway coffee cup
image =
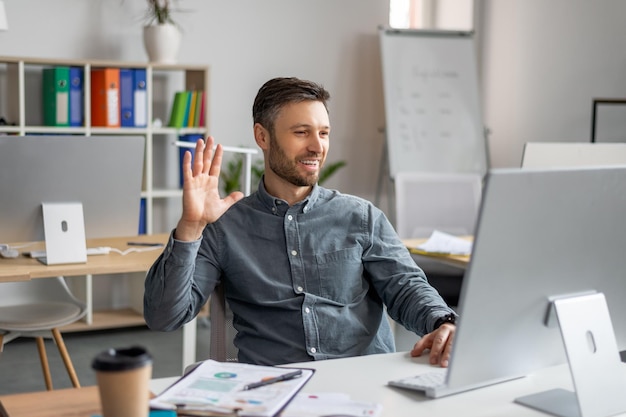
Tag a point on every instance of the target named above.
point(123, 375)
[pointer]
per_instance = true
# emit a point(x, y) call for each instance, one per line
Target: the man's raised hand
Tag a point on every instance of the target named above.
point(202, 203)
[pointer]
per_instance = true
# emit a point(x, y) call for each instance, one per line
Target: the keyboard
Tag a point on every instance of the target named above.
point(90, 251)
point(422, 382)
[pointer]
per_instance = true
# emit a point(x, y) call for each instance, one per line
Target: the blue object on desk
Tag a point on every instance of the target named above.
point(154, 413)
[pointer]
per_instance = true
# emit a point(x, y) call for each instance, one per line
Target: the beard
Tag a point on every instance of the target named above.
point(287, 169)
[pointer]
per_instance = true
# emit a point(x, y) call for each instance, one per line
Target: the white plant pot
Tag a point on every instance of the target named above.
point(162, 43)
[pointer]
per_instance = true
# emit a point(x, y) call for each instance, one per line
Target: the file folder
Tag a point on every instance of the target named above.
point(127, 117)
point(77, 107)
point(105, 97)
point(177, 116)
point(201, 120)
point(55, 96)
point(187, 108)
point(192, 138)
point(142, 217)
point(198, 107)
point(192, 109)
point(140, 98)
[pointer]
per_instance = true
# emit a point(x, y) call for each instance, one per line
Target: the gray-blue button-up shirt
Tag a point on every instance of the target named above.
point(305, 282)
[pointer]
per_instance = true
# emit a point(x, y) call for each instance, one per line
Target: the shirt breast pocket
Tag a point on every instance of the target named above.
point(340, 275)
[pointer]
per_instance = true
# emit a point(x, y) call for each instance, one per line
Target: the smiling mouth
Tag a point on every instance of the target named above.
point(310, 162)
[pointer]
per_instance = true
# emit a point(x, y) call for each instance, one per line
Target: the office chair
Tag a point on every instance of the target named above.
point(31, 308)
point(221, 346)
point(447, 202)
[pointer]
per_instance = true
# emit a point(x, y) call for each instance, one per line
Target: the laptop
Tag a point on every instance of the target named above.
point(541, 233)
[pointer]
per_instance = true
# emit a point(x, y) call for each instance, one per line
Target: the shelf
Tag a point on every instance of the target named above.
point(163, 193)
point(108, 319)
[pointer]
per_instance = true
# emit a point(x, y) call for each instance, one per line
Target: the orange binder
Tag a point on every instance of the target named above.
point(105, 97)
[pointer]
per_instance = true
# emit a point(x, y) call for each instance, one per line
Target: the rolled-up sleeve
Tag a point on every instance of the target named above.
point(172, 297)
point(402, 285)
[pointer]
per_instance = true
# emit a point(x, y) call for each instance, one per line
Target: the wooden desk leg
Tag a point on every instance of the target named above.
point(44, 362)
point(66, 357)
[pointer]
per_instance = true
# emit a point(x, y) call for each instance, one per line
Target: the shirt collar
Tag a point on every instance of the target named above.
point(279, 207)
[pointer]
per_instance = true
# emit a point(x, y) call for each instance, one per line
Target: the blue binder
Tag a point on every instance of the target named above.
point(77, 108)
point(140, 97)
point(127, 118)
point(142, 217)
point(193, 138)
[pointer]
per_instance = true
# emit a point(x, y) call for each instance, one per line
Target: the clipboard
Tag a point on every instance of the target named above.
point(217, 389)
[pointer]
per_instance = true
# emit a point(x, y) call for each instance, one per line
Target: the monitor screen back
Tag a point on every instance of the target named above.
point(104, 173)
point(540, 233)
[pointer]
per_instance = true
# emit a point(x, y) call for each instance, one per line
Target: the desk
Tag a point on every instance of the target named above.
point(460, 261)
point(24, 268)
point(363, 378)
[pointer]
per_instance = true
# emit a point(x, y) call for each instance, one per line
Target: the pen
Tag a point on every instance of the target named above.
point(144, 244)
point(268, 381)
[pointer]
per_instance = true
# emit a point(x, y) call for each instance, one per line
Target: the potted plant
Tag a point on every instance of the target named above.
point(161, 35)
point(232, 172)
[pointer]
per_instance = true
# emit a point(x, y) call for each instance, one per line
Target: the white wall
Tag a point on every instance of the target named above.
point(245, 42)
point(543, 62)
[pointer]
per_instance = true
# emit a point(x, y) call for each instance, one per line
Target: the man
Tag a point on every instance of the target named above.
point(306, 270)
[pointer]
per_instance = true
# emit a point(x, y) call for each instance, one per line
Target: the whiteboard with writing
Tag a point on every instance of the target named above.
point(432, 106)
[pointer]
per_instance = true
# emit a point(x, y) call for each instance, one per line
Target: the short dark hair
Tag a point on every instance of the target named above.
point(278, 92)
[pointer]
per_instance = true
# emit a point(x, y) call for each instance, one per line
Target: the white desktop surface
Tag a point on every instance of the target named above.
point(364, 378)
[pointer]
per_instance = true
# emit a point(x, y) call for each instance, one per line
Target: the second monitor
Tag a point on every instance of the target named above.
point(104, 173)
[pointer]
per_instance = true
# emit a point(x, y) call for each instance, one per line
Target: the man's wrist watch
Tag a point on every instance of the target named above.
point(449, 318)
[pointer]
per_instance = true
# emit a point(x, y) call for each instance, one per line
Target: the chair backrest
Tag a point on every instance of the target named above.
point(35, 291)
point(42, 304)
point(221, 346)
point(572, 154)
point(447, 202)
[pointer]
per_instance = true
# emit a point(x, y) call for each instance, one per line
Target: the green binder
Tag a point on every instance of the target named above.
point(179, 109)
point(55, 100)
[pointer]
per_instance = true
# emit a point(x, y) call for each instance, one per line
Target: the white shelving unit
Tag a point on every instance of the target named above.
point(20, 105)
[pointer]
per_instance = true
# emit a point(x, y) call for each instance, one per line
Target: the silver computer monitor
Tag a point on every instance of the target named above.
point(104, 173)
point(541, 233)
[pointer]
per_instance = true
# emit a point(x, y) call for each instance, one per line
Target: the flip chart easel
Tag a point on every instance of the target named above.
point(433, 112)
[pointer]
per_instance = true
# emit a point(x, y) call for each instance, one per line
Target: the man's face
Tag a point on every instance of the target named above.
point(300, 142)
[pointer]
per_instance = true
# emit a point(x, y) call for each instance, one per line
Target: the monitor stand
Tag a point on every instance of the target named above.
point(64, 233)
point(594, 361)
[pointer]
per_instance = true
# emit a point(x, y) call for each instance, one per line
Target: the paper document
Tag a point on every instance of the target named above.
point(218, 388)
point(445, 244)
point(330, 404)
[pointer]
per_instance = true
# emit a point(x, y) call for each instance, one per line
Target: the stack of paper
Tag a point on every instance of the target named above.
point(329, 404)
point(445, 244)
